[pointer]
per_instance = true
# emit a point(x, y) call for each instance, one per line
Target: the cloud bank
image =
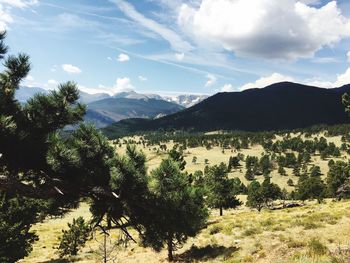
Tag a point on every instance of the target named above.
point(286, 29)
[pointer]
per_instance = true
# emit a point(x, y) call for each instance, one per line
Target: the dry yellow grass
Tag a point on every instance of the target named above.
point(241, 235)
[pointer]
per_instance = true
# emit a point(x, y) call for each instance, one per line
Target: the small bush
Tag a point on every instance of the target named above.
point(215, 229)
point(307, 224)
point(251, 231)
point(74, 238)
point(316, 248)
point(291, 243)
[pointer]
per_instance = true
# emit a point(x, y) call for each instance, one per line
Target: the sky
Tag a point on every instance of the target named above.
point(180, 46)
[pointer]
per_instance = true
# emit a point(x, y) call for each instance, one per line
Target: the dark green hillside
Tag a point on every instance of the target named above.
point(280, 106)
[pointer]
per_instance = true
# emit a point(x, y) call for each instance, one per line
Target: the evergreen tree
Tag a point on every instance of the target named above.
point(260, 195)
point(281, 170)
point(311, 187)
point(179, 210)
point(233, 163)
point(41, 162)
point(255, 198)
point(220, 190)
point(177, 156)
point(315, 171)
point(74, 238)
point(338, 179)
point(249, 175)
point(17, 215)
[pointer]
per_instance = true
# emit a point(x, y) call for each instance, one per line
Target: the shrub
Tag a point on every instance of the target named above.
point(215, 229)
point(74, 238)
point(316, 248)
point(251, 231)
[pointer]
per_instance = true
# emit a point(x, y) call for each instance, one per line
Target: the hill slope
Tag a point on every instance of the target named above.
point(110, 110)
point(280, 106)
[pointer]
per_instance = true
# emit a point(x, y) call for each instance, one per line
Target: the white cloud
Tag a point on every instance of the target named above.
point(343, 79)
point(142, 78)
point(286, 29)
point(123, 57)
point(211, 80)
point(320, 83)
point(54, 68)
point(180, 56)
point(29, 78)
point(93, 90)
point(325, 60)
point(50, 84)
point(266, 81)
point(122, 84)
point(109, 58)
point(19, 3)
point(227, 88)
point(5, 10)
point(71, 69)
point(5, 18)
point(176, 42)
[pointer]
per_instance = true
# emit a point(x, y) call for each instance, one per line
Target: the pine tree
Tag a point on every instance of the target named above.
point(41, 162)
point(220, 190)
point(311, 187)
point(255, 198)
point(17, 214)
point(260, 195)
point(249, 175)
point(74, 238)
point(177, 156)
point(178, 211)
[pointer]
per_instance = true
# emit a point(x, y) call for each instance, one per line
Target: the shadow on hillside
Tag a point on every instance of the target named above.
point(205, 253)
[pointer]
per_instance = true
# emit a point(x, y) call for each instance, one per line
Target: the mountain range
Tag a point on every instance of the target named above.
point(104, 109)
point(280, 106)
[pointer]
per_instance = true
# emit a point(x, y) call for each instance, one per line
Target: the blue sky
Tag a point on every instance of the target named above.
point(180, 46)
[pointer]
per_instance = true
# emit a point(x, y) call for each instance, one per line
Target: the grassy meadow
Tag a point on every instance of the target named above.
point(311, 233)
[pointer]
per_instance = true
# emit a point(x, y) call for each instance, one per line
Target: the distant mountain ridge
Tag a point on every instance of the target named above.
point(110, 110)
point(284, 105)
point(104, 109)
point(185, 100)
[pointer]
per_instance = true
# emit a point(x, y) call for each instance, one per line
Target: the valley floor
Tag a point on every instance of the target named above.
point(312, 233)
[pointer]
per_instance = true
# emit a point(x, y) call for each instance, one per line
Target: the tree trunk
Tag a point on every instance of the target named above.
point(220, 211)
point(104, 247)
point(170, 250)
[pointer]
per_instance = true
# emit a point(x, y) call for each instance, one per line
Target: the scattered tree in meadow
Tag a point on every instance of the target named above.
point(238, 186)
point(233, 163)
point(179, 208)
point(281, 170)
point(74, 238)
point(261, 195)
point(255, 198)
point(315, 171)
point(194, 159)
point(311, 187)
point(177, 155)
point(338, 179)
point(219, 188)
point(249, 175)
